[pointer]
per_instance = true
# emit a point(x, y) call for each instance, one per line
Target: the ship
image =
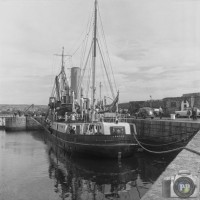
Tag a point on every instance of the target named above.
point(81, 122)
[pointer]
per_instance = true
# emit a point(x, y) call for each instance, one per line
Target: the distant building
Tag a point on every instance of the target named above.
point(169, 104)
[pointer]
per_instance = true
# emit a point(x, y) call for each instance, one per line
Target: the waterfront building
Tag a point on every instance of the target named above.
point(169, 104)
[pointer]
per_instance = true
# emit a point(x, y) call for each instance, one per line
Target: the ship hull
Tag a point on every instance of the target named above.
point(78, 145)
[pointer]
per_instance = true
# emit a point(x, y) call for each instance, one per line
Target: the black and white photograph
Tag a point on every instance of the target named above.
point(99, 99)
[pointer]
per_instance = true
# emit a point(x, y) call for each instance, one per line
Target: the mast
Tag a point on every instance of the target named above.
point(63, 76)
point(62, 55)
point(94, 59)
point(63, 82)
point(62, 66)
point(100, 86)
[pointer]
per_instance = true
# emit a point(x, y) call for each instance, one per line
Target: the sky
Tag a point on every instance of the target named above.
point(154, 46)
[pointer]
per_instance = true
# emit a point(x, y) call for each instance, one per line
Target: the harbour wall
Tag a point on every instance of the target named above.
point(2, 122)
point(21, 123)
point(15, 123)
point(187, 159)
point(32, 124)
point(165, 131)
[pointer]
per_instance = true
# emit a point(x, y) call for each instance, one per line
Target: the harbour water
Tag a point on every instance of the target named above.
point(33, 168)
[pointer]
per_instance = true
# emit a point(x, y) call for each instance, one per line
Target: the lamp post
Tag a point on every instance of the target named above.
point(150, 101)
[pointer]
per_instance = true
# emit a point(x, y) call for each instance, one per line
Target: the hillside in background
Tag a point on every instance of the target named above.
point(12, 108)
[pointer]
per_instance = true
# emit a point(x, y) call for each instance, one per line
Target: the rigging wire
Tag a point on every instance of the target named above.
point(104, 80)
point(84, 43)
point(106, 71)
point(52, 74)
point(89, 78)
point(82, 75)
point(83, 54)
point(83, 50)
point(88, 22)
point(106, 84)
point(84, 40)
point(104, 61)
point(106, 45)
point(87, 35)
point(84, 47)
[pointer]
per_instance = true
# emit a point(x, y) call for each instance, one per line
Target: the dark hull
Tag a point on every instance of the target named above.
point(92, 146)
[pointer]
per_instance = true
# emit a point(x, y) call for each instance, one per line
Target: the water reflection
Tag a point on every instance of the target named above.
point(83, 178)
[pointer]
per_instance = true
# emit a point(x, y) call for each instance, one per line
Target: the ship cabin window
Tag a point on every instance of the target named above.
point(117, 130)
point(99, 130)
point(75, 129)
point(92, 129)
point(72, 130)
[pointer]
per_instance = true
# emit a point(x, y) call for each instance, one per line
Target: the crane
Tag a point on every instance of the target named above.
point(32, 105)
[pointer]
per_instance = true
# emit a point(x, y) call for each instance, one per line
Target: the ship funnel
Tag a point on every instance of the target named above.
point(75, 78)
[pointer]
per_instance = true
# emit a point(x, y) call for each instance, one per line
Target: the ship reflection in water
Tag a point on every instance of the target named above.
point(83, 178)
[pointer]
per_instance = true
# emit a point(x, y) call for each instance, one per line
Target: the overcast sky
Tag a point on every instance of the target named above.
point(154, 46)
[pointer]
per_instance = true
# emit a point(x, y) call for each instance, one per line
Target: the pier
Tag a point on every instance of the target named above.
point(3, 120)
point(21, 123)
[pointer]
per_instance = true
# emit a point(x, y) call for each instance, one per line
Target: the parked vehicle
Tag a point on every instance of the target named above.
point(156, 112)
point(184, 113)
point(145, 112)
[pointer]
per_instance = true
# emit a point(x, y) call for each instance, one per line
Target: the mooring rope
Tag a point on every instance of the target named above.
point(193, 151)
point(159, 145)
point(150, 151)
